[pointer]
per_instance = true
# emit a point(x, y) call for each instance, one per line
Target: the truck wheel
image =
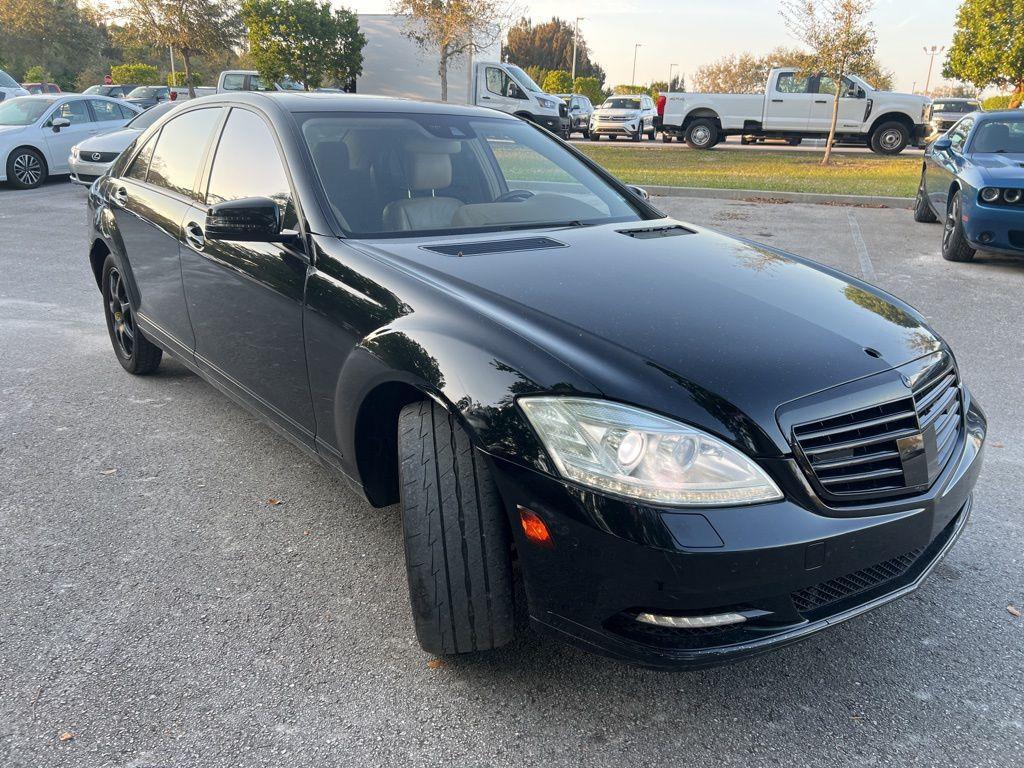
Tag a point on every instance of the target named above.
point(744, 141)
point(586, 133)
point(594, 136)
point(923, 212)
point(457, 545)
point(890, 138)
point(702, 134)
point(954, 242)
point(794, 142)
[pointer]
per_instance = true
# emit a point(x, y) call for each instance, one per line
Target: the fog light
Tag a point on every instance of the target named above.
point(985, 237)
point(691, 622)
point(1011, 195)
point(990, 194)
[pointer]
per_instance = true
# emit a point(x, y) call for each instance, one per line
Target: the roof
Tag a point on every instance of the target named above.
point(312, 101)
point(1002, 113)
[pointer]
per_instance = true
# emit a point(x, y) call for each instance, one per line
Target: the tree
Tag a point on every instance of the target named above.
point(747, 73)
point(954, 91)
point(988, 47)
point(841, 41)
point(452, 28)
point(37, 74)
point(135, 74)
point(189, 27)
point(305, 40)
point(558, 81)
point(589, 87)
point(549, 46)
point(537, 74)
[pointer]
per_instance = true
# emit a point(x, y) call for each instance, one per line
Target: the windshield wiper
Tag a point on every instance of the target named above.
point(542, 225)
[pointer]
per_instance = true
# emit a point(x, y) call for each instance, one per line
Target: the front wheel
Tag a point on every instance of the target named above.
point(136, 354)
point(702, 134)
point(26, 168)
point(923, 212)
point(890, 138)
point(457, 546)
point(594, 136)
point(954, 241)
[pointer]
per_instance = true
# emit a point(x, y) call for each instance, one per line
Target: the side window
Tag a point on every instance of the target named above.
point(179, 150)
point(126, 113)
point(105, 110)
point(959, 133)
point(499, 82)
point(234, 82)
point(140, 165)
point(75, 111)
point(792, 82)
point(256, 83)
point(827, 85)
point(234, 173)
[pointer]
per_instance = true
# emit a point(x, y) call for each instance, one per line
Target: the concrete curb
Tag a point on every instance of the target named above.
point(759, 195)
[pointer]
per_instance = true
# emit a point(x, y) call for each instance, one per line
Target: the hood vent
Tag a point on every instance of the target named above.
point(649, 233)
point(495, 246)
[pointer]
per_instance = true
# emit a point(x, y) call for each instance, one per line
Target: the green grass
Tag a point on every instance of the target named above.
point(848, 174)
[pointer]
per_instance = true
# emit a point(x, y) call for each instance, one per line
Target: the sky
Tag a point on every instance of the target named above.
point(694, 32)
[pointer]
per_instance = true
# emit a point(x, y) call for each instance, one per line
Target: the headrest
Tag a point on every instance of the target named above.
point(362, 146)
point(331, 157)
point(428, 172)
point(422, 145)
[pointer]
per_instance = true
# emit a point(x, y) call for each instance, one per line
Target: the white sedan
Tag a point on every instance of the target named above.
point(38, 132)
point(93, 157)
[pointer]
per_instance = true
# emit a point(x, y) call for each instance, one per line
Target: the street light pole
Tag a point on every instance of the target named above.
point(575, 38)
point(635, 49)
point(932, 52)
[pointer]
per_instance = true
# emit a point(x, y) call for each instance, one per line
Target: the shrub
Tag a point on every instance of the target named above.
point(996, 102)
point(558, 81)
point(37, 74)
point(177, 80)
point(135, 74)
point(589, 87)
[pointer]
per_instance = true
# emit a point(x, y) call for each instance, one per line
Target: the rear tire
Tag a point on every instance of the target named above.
point(890, 138)
point(594, 136)
point(954, 242)
point(457, 544)
point(26, 168)
point(136, 354)
point(702, 133)
point(794, 142)
point(923, 212)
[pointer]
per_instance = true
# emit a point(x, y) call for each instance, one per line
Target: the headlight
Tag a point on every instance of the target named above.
point(628, 452)
point(1012, 195)
point(546, 103)
point(74, 151)
point(990, 194)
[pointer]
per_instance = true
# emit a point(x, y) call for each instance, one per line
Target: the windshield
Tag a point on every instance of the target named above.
point(396, 175)
point(6, 81)
point(960, 107)
point(621, 104)
point(524, 79)
point(146, 92)
point(284, 84)
point(145, 119)
point(98, 90)
point(1000, 136)
point(23, 111)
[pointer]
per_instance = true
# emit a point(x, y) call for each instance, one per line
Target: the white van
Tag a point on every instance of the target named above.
point(9, 87)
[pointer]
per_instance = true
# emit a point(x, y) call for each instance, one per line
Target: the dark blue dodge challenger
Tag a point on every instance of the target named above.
point(973, 180)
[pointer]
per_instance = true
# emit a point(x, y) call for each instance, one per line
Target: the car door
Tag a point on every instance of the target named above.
point(497, 90)
point(246, 298)
point(789, 103)
point(851, 108)
point(60, 141)
point(942, 166)
point(151, 198)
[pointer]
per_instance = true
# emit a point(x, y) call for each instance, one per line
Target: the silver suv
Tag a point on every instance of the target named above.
point(633, 116)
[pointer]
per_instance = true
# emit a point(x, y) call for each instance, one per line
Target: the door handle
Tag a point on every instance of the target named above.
point(485, 98)
point(777, 101)
point(120, 196)
point(821, 101)
point(194, 235)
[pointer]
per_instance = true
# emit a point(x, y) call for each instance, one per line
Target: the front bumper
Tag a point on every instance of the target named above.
point(995, 228)
point(923, 134)
point(609, 128)
point(554, 123)
point(85, 173)
point(794, 571)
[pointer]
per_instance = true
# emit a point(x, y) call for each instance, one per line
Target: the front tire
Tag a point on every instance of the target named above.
point(890, 138)
point(26, 168)
point(954, 241)
point(457, 545)
point(923, 212)
point(136, 354)
point(702, 134)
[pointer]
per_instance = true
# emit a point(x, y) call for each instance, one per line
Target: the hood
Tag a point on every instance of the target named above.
point(606, 112)
point(116, 141)
point(1001, 168)
point(701, 311)
point(10, 130)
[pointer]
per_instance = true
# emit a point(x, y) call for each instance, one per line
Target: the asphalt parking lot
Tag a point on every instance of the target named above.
point(159, 610)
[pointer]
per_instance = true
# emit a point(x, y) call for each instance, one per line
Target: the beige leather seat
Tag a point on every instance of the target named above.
point(425, 172)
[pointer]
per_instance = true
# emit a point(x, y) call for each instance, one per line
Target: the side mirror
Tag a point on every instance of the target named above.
point(942, 144)
point(249, 220)
point(861, 93)
point(639, 191)
point(59, 122)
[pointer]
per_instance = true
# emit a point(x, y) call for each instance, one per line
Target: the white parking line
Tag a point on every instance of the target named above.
point(866, 267)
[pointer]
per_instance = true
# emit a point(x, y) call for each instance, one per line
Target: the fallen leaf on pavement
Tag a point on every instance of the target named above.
point(67, 736)
point(109, 472)
point(1014, 610)
point(996, 444)
point(274, 502)
point(435, 663)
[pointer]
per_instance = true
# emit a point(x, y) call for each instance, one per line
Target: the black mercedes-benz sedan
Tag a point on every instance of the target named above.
point(691, 447)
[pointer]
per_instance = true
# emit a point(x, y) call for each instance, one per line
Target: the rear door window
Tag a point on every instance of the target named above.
point(180, 150)
point(140, 165)
point(105, 110)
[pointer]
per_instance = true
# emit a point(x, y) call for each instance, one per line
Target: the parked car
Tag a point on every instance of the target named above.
point(798, 106)
point(146, 96)
point(93, 157)
point(973, 181)
point(718, 453)
point(632, 116)
point(114, 91)
point(9, 87)
point(180, 93)
point(37, 133)
point(38, 88)
point(945, 113)
point(580, 110)
point(234, 80)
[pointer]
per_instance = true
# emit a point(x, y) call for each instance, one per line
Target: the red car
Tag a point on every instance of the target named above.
point(39, 88)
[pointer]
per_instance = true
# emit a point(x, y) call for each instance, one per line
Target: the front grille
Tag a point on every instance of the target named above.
point(843, 587)
point(98, 157)
point(857, 456)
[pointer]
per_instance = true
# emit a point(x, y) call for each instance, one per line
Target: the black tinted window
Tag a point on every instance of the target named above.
point(140, 165)
point(179, 150)
point(248, 164)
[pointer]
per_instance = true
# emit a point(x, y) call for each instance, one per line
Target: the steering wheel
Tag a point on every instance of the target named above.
point(514, 196)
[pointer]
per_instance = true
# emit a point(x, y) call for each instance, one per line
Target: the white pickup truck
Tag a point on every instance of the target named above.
point(795, 106)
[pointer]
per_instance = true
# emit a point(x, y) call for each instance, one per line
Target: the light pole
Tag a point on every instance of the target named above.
point(932, 52)
point(632, 80)
point(575, 38)
point(668, 85)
